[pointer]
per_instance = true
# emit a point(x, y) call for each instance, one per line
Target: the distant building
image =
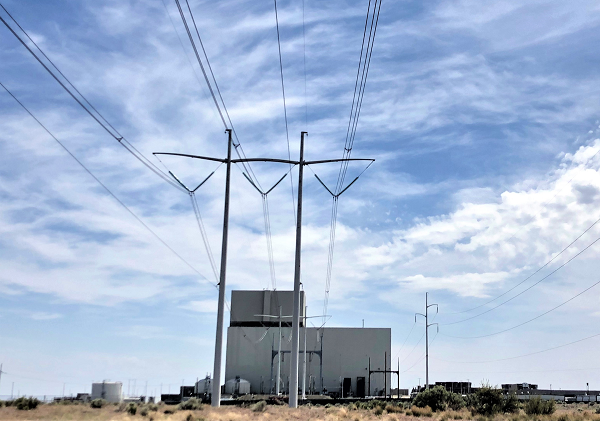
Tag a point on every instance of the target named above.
point(456, 387)
point(337, 358)
point(519, 386)
point(109, 391)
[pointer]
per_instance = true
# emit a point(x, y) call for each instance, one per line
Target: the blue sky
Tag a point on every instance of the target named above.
point(483, 118)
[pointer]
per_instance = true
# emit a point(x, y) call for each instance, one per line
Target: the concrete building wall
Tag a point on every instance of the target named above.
point(345, 353)
point(245, 305)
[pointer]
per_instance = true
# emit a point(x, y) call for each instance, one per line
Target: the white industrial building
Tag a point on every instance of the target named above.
point(109, 391)
point(338, 359)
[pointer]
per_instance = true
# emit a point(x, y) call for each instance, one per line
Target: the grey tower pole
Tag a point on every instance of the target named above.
point(216, 386)
point(427, 326)
point(426, 343)
point(296, 313)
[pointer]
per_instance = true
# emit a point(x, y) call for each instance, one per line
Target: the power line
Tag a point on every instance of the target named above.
point(209, 252)
point(530, 320)
point(304, 54)
point(421, 357)
point(405, 340)
point(528, 288)
point(106, 188)
point(239, 150)
point(191, 38)
point(359, 89)
point(249, 173)
point(534, 273)
point(287, 135)
point(523, 355)
point(415, 347)
point(104, 123)
point(355, 110)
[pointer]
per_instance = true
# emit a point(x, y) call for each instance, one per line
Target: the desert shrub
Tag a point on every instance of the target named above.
point(362, 405)
point(563, 417)
point(144, 411)
point(378, 410)
point(191, 404)
point(597, 410)
point(487, 401)
point(451, 415)
point(259, 406)
point(98, 403)
point(131, 408)
point(439, 399)
point(25, 404)
point(538, 406)
point(189, 417)
point(455, 401)
point(352, 407)
point(1, 404)
point(391, 409)
point(120, 407)
point(511, 404)
point(378, 403)
point(415, 411)
point(152, 407)
point(169, 411)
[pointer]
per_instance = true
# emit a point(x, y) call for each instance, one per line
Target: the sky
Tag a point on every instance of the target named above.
point(483, 118)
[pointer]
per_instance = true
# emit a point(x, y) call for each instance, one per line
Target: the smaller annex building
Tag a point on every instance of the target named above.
point(338, 358)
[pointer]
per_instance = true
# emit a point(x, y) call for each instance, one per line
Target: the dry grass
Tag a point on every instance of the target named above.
point(280, 413)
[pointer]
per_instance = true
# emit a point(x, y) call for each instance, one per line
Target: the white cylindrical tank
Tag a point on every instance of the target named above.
point(109, 391)
point(237, 386)
point(204, 385)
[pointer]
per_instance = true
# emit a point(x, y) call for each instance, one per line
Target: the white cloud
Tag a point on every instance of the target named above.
point(201, 306)
point(40, 315)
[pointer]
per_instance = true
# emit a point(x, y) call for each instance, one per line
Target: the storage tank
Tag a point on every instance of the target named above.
point(237, 386)
point(204, 386)
point(109, 391)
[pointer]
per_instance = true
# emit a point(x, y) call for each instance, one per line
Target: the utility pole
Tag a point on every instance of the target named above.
point(427, 325)
point(216, 386)
point(216, 395)
point(296, 311)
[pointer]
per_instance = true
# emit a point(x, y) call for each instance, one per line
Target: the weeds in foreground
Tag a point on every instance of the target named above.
point(259, 406)
point(98, 403)
point(415, 411)
point(537, 406)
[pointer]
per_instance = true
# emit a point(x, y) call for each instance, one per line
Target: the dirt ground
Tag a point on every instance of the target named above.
point(272, 413)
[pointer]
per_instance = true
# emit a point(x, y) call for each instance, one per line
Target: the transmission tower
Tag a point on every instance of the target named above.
point(216, 386)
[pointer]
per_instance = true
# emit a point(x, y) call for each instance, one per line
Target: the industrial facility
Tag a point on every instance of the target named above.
point(109, 391)
point(340, 361)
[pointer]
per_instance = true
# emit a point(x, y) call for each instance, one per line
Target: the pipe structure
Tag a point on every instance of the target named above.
point(304, 366)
